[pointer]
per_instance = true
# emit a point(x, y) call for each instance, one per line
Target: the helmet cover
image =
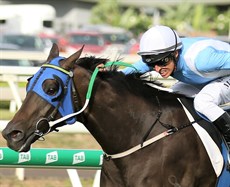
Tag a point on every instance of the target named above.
point(159, 39)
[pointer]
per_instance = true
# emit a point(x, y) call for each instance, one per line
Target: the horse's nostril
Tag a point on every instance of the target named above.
point(15, 135)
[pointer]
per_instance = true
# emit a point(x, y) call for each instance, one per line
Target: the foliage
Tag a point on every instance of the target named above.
point(223, 22)
point(134, 21)
point(185, 17)
point(188, 17)
point(106, 12)
point(176, 17)
point(111, 13)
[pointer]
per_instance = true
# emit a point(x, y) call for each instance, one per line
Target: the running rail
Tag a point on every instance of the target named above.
point(51, 158)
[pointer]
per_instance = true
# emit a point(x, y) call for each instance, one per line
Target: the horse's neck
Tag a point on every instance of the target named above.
point(118, 122)
point(116, 118)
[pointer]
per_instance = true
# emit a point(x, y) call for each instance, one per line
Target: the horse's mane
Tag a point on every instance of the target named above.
point(91, 62)
point(132, 82)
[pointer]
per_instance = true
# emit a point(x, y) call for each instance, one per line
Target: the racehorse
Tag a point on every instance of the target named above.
point(123, 113)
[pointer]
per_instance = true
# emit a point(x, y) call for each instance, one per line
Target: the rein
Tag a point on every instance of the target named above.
point(52, 125)
point(89, 91)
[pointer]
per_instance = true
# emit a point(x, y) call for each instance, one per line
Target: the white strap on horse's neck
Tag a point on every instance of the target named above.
point(140, 146)
point(52, 123)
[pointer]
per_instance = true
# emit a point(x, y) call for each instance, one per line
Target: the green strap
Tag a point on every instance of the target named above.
point(93, 77)
point(91, 83)
point(119, 63)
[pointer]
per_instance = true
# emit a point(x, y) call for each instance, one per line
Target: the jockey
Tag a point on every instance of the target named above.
point(201, 66)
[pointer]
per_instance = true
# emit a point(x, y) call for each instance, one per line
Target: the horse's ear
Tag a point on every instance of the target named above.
point(54, 52)
point(68, 63)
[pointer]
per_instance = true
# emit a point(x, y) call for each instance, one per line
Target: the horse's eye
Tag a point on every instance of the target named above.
point(50, 87)
point(51, 91)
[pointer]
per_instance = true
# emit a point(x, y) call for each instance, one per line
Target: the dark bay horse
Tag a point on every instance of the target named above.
point(122, 113)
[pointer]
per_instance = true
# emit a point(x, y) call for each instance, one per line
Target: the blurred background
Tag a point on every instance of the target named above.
point(105, 26)
point(108, 28)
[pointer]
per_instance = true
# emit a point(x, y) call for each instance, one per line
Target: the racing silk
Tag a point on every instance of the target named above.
point(201, 60)
point(139, 66)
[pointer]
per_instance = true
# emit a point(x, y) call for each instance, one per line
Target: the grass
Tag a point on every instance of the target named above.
point(53, 140)
point(41, 182)
point(20, 84)
point(5, 114)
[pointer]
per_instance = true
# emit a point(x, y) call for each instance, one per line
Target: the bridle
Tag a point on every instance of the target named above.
point(49, 123)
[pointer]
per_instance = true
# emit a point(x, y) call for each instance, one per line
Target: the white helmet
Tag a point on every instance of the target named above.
point(158, 40)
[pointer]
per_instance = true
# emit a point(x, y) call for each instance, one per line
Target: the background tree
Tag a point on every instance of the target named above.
point(186, 18)
point(106, 12)
point(223, 22)
point(191, 18)
point(109, 12)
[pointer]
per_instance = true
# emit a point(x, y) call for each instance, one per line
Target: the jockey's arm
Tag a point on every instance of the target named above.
point(140, 66)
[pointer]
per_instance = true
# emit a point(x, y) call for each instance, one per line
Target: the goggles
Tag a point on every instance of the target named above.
point(159, 60)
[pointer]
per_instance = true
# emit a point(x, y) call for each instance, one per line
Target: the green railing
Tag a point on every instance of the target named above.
point(51, 158)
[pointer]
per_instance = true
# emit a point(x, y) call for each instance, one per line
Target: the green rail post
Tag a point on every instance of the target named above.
point(51, 158)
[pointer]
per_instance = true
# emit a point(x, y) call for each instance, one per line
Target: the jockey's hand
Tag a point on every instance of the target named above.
point(101, 67)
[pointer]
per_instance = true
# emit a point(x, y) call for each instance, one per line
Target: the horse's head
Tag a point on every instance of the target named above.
point(47, 91)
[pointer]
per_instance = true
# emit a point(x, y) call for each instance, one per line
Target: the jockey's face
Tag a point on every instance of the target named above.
point(165, 70)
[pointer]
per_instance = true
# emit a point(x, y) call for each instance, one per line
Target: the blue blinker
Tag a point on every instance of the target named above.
point(46, 72)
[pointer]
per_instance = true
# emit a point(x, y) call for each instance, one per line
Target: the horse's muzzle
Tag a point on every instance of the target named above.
point(17, 141)
point(14, 137)
point(20, 140)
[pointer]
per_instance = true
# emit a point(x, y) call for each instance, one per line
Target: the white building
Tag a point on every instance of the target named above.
point(27, 18)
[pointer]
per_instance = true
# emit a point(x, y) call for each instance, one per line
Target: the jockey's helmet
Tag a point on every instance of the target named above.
point(158, 43)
